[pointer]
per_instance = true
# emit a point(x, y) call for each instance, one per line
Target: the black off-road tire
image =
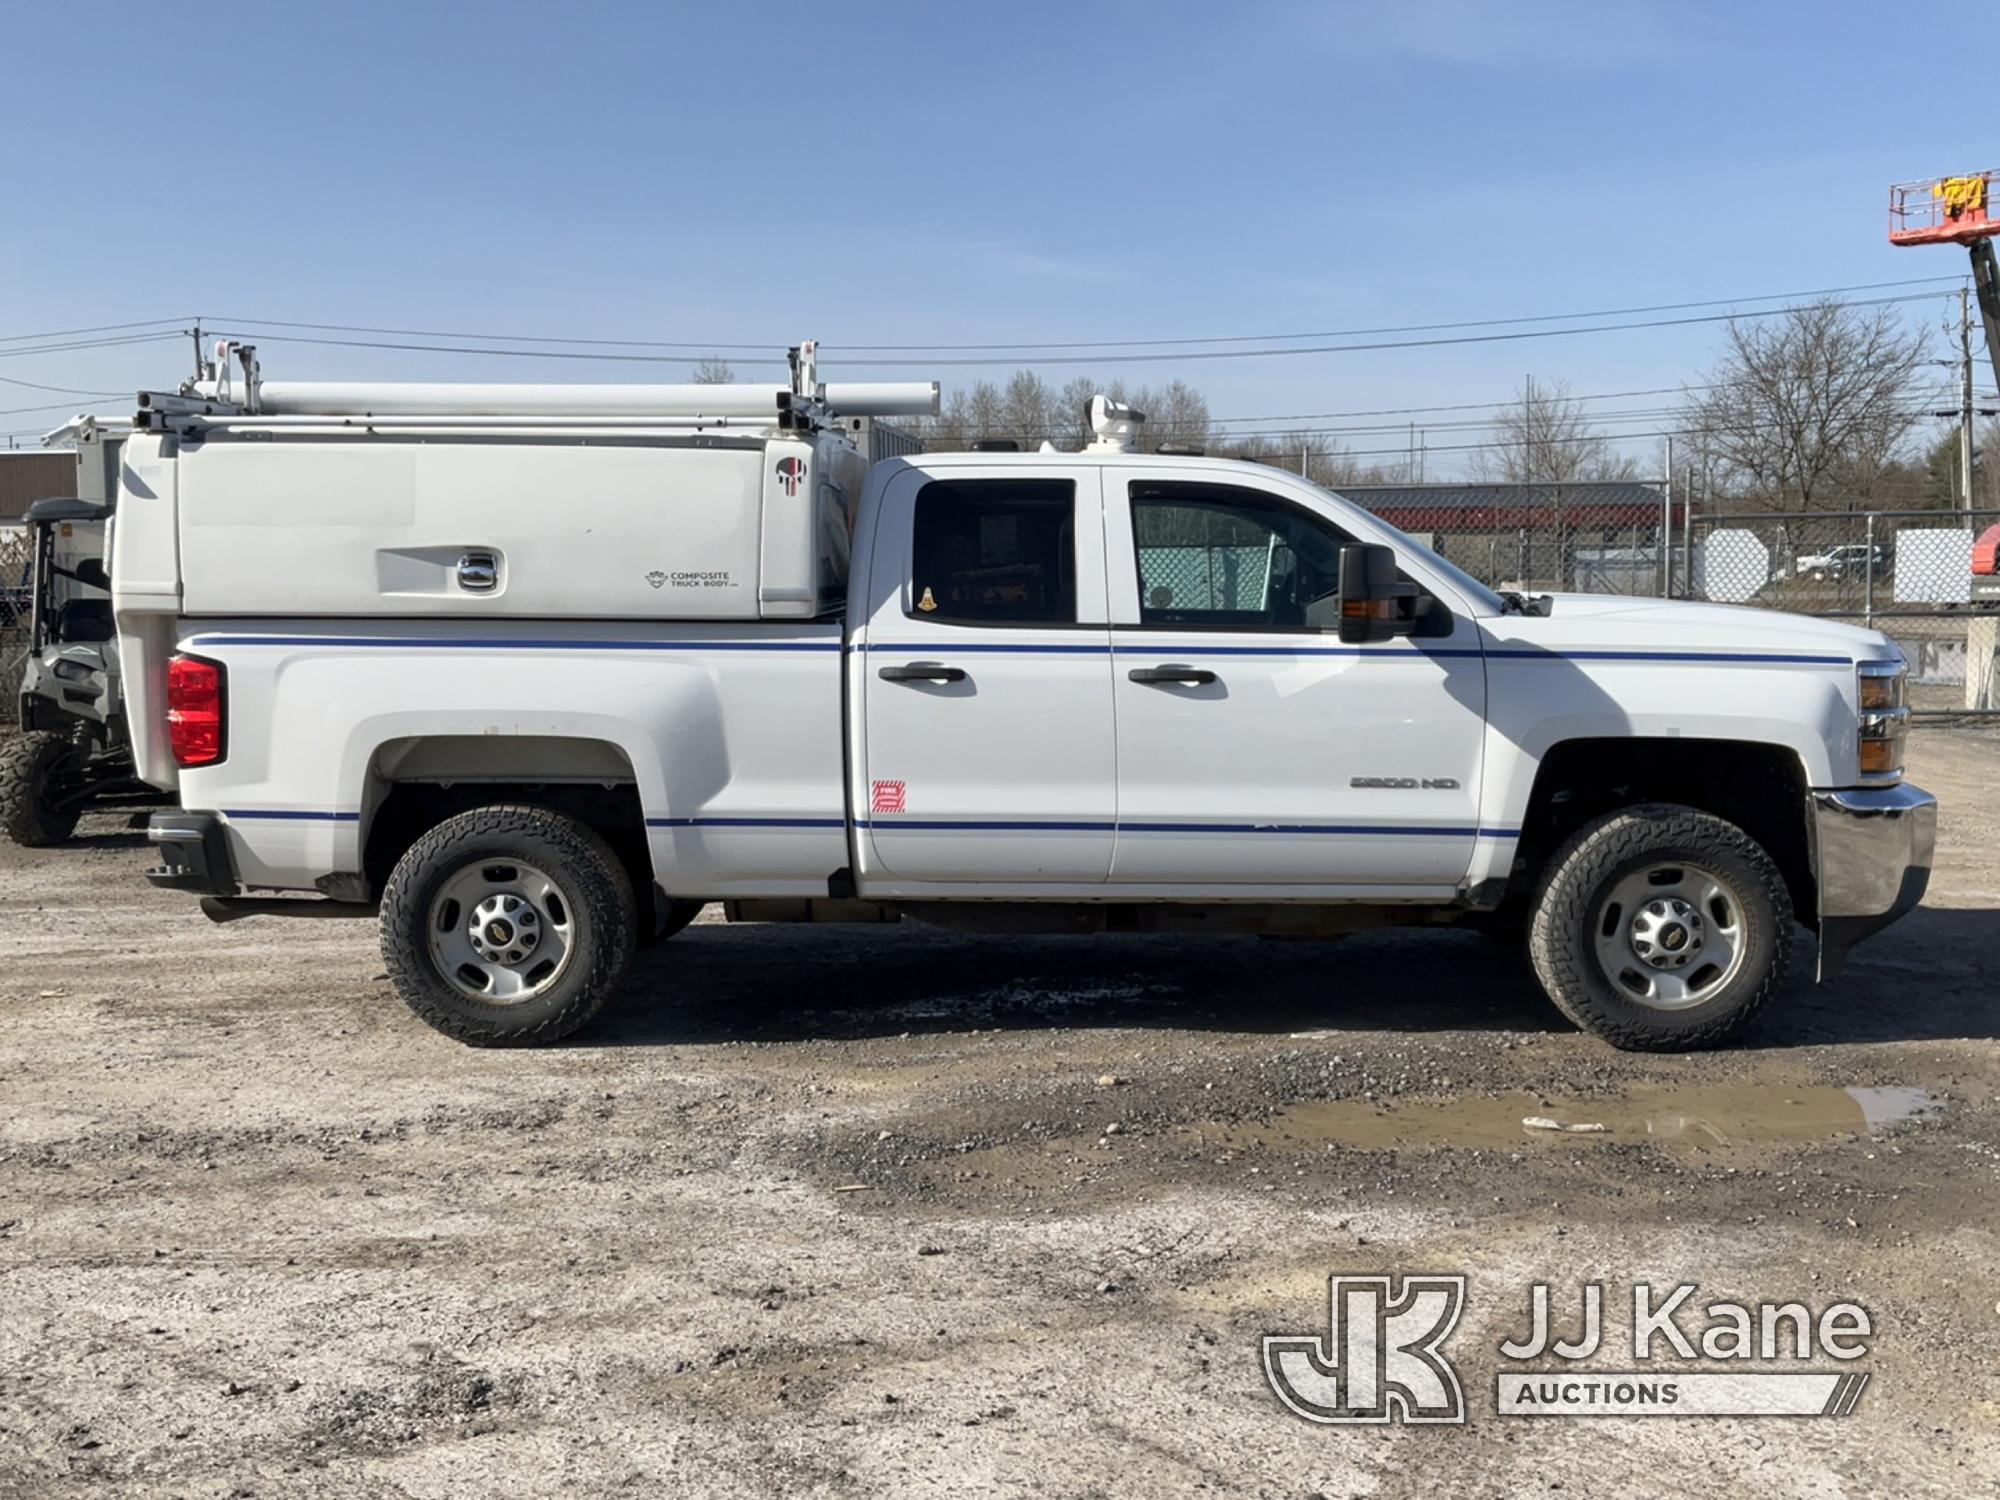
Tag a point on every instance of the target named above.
point(597, 891)
point(34, 769)
point(1582, 874)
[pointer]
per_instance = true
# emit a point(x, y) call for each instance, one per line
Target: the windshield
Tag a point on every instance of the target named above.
point(1482, 596)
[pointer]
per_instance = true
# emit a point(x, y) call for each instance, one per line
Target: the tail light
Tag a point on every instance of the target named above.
point(194, 711)
point(1986, 552)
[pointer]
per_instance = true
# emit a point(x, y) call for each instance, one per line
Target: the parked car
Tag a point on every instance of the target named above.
point(568, 662)
point(1835, 564)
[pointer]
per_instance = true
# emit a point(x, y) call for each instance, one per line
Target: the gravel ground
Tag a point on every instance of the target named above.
point(844, 1211)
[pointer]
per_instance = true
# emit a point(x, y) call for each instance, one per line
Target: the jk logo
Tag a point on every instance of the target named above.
point(1379, 1361)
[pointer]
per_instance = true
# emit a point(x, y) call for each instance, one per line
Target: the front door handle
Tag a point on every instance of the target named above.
point(1173, 672)
point(922, 671)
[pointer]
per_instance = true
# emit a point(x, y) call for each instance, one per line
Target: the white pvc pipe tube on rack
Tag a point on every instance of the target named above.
point(493, 399)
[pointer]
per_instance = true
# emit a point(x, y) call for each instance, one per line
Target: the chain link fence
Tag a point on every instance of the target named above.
point(1906, 573)
point(17, 563)
point(1592, 537)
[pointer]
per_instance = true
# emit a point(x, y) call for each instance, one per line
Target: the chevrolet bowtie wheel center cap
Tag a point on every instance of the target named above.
point(1667, 933)
point(502, 929)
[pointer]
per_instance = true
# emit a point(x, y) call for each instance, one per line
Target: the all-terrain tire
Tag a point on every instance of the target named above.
point(34, 770)
point(597, 895)
point(1570, 905)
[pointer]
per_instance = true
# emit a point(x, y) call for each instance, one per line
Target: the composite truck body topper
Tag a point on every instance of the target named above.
point(539, 670)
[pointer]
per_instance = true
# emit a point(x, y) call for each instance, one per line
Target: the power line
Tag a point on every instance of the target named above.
point(15, 411)
point(1203, 355)
point(1918, 402)
point(1579, 437)
point(63, 333)
point(1246, 338)
point(67, 390)
point(1512, 399)
point(760, 352)
point(107, 343)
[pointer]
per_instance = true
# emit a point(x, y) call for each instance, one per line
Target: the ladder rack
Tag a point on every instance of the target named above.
point(223, 397)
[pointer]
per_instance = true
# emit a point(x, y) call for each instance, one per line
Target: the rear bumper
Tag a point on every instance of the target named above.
point(1872, 850)
point(194, 853)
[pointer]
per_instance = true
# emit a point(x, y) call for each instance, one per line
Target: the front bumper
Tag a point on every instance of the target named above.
point(1872, 851)
point(194, 853)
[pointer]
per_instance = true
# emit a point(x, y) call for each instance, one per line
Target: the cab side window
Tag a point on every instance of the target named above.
point(994, 552)
point(1223, 557)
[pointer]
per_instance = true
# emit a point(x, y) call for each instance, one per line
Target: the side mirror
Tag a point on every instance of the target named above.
point(1375, 605)
point(91, 571)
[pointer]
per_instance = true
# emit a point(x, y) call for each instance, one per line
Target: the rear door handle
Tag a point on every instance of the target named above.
point(922, 671)
point(1173, 672)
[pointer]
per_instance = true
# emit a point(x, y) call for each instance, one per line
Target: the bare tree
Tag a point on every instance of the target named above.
point(1808, 409)
point(1175, 413)
point(1545, 436)
point(1029, 412)
point(714, 372)
point(1028, 407)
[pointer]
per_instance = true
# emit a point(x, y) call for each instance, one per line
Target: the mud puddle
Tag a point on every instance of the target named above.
point(1699, 1117)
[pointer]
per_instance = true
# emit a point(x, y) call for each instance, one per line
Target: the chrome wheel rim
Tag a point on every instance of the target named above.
point(1670, 935)
point(501, 932)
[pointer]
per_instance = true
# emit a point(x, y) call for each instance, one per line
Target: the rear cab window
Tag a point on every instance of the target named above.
point(994, 552)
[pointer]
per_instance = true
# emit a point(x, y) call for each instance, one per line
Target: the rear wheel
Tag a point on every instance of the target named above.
point(1661, 928)
point(508, 926)
point(40, 778)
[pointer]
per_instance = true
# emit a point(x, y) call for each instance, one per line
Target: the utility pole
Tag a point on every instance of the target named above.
point(1965, 400)
point(1528, 429)
point(1667, 526)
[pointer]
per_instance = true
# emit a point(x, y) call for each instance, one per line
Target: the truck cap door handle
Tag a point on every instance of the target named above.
point(922, 671)
point(479, 571)
point(1173, 672)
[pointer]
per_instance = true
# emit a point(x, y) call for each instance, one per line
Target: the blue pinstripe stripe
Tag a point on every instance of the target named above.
point(506, 643)
point(290, 815)
point(1094, 825)
point(1351, 830)
point(1380, 653)
point(1788, 658)
point(1009, 648)
point(984, 825)
point(746, 822)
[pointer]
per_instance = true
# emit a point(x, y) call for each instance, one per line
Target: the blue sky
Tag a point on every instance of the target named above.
point(878, 174)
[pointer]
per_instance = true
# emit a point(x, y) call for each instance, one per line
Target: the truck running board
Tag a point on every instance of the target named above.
point(236, 908)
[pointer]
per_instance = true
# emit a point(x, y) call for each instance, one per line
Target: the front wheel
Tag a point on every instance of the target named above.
point(40, 774)
point(1661, 928)
point(508, 926)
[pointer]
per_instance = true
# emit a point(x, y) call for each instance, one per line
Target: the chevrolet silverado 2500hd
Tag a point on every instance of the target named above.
point(537, 671)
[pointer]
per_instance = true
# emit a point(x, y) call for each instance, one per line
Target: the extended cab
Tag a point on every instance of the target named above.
point(538, 671)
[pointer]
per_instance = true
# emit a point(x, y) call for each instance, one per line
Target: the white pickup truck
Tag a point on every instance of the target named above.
point(537, 671)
